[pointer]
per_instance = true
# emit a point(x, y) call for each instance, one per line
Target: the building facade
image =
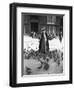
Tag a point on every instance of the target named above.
point(34, 23)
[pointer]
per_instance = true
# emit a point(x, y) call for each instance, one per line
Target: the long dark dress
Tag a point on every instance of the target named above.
point(44, 44)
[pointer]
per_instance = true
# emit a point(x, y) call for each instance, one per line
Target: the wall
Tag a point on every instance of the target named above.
point(4, 43)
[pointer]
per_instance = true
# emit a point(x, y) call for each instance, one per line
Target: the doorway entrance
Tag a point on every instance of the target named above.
point(34, 27)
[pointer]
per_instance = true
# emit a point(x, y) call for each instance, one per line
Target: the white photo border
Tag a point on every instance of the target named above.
point(66, 27)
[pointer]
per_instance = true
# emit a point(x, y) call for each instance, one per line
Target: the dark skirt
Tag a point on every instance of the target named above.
point(43, 45)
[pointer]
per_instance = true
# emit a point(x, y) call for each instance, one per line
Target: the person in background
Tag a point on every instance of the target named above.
point(33, 34)
point(60, 36)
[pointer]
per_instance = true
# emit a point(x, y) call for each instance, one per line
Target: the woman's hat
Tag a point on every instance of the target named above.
point(43, 28)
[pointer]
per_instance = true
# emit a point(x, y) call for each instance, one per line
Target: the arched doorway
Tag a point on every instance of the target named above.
point(34, 27)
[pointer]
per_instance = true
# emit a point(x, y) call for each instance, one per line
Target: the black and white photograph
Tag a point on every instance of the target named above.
point(43, 44)
point(40, 44)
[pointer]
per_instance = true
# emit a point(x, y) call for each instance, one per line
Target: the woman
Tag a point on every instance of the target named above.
point(44, 45)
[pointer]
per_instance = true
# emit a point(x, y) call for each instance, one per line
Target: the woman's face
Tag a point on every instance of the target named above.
point(43, 31)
